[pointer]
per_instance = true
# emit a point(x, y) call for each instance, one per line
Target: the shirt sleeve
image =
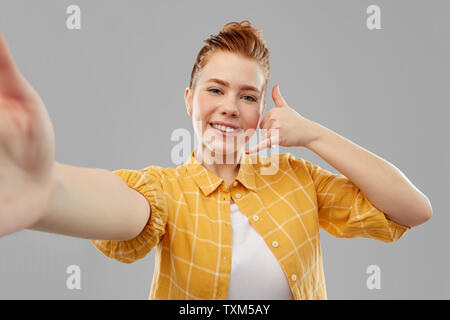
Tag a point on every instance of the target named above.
point(343, 209)
point(147, 182)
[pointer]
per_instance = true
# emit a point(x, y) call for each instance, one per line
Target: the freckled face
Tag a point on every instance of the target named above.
point(229, 103)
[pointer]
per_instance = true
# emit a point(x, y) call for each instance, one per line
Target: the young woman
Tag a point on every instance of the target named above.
point(222, 229)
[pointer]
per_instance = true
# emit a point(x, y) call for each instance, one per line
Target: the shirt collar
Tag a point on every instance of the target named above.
point(208, 182)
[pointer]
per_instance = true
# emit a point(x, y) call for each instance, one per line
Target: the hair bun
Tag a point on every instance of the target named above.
point(244, 25)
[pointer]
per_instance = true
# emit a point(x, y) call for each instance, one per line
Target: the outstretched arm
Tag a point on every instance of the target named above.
point(38, 193)
point(92, 203)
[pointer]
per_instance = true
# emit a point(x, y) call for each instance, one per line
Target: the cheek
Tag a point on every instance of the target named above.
point(251, 119)
point(203, 108)
point(201, 113)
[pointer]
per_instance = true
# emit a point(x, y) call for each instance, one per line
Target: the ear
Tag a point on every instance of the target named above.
point(188, 101)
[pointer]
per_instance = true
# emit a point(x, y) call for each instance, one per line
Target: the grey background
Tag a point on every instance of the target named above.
point(114, 91)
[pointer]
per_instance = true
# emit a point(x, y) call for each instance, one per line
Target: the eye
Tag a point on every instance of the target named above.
point(213, 89)
point(251, 98)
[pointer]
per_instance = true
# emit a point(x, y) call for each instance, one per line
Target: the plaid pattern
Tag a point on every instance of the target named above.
point(191, 229)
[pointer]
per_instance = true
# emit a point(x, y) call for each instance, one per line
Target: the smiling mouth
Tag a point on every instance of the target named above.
point(224, 130)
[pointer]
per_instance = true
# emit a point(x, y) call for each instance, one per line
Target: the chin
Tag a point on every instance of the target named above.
point(218, 150)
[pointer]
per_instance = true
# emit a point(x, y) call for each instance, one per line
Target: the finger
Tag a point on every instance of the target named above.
point(270, 140)
point(277, 98)
point(6, 60)
point(12, 83)
point(261, 146)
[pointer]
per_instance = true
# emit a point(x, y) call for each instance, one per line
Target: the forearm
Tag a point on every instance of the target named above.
point(386, 187)
point(93, 204)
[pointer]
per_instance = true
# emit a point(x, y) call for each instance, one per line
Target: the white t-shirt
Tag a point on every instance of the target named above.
point(255, 272)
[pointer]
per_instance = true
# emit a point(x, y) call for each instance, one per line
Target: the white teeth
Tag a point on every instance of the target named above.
point(223, 128)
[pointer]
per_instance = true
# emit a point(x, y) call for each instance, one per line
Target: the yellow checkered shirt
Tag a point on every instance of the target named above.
point(190, 223)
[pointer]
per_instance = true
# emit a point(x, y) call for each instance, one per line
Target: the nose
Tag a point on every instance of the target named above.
point(229, 109)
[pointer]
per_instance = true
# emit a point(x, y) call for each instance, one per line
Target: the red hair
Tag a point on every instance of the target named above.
point(239, 38)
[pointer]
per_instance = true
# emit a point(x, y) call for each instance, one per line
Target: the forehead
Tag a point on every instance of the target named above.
point(234, 69)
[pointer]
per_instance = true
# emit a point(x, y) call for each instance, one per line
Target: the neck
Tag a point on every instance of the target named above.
point(225, 167)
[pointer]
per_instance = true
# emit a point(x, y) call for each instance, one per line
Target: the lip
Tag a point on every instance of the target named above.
point(222, 123)
point(224, 134)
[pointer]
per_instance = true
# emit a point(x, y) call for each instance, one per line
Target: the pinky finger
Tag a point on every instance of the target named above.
point(263, 145)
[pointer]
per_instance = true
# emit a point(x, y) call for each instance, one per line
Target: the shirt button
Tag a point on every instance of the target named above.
point(255, 217)
point(293, 277)
point(235, 183)
point(275, 244)
point(238, 195)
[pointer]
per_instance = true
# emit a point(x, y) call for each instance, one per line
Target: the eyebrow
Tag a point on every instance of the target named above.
point(226, 84)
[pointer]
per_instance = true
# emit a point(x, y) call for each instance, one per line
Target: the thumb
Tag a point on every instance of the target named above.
point(12, 82)
point(277, 98)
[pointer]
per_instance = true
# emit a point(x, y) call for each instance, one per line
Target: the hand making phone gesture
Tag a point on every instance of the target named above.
point(283, 126)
